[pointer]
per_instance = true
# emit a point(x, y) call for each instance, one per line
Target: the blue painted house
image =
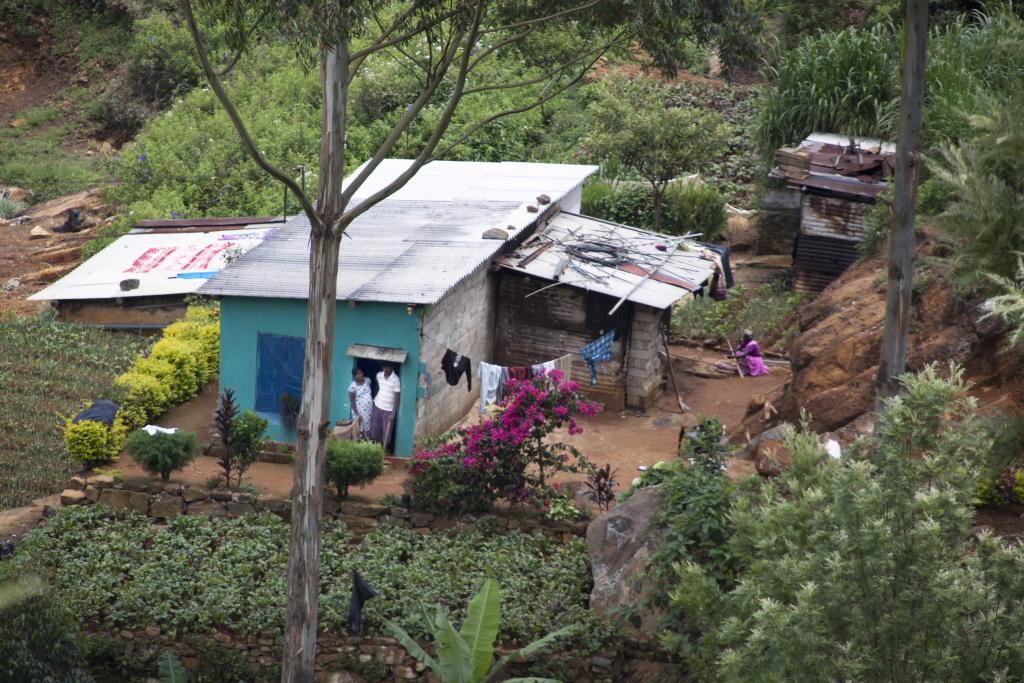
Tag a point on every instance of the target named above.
point(414, 280)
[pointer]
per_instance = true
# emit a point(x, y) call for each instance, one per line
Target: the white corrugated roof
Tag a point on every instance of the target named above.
point(417, 244)
point(170, 263)
point(633, 252)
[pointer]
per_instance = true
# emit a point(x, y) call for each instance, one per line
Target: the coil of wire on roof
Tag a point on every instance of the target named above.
point(595, 252)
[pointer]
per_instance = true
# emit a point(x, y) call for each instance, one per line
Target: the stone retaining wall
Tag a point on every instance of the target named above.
point(163, 501)
point(370, 659)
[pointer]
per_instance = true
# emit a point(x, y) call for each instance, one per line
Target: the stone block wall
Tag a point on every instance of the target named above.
point(161, 501)
point(464, 322)
point(645, 366)
point(342, 659)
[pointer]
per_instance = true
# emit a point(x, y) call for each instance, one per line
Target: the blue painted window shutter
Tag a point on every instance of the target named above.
point(279, 361)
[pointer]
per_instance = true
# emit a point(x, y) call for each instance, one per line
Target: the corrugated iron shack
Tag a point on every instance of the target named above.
point(839, 179)
point(579, 277)
point(142, 279)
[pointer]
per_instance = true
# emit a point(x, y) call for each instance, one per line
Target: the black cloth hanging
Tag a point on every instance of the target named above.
point(454, 367)
point(724, 252)
point(361, 592)
point(100, 411)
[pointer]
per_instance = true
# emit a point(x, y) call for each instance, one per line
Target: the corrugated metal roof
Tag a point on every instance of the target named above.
point(549, 255)
point(415, 245)
point(164, 264)
point(835, 169)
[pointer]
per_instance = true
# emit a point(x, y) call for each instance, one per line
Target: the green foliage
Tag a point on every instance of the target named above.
point(691, 209)
point(933, 197)
point(197, 574)
point(864, 568)
point(769, 311)
point(46, 368)
point(637, 127)
point(847, 82)
point(177, 367)
point(161, 453)
point(171, 670)
point(467, 655)
point(1005, 488)
point(985, 174)
point(9, 208)
point(249, 441)
point(351, 463)
point(1009, 303)
point(37, 636)
point(561, 508)
point(876, 226)
point(93, 443)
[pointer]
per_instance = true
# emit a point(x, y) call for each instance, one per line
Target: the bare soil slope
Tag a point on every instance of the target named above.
point(835, 357)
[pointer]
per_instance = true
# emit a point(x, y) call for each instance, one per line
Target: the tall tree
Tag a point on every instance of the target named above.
point(446, 45)
point(901, 241)
point(637, 125)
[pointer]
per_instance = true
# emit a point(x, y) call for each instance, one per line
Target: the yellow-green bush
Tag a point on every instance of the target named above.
point(140, 396)
point(179, 364)
point(93, 443)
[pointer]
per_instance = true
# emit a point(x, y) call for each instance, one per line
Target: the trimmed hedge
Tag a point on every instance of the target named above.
point(93, 443)
point(185, 358)
point(177, 367)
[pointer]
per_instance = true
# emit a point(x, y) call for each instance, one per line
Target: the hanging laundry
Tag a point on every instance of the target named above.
point(542, 368)
point(454, 366)
point(361, 592)
point(596, 351)
point(492, 383)
point(520, 373)
point(564, 364)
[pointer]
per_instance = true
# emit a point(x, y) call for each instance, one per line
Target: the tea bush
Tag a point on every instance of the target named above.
point(769, 310)
point(350, 463)
point(161, 453)
point(197, 574)
point(93, 443)
point(37, 638)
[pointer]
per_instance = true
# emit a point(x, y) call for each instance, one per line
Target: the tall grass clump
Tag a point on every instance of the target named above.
point(848, 82)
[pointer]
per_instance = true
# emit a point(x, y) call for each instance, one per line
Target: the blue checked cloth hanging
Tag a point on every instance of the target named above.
point(596, 351)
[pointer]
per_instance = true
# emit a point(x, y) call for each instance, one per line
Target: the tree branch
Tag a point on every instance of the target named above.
point(541, 20)
point(425, 155)
point(245, 41)
point(236, 120)
point(383, 42)
point(527, 107)
point(404, 122)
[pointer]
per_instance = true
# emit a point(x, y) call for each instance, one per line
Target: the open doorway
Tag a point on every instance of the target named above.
point(371, 367)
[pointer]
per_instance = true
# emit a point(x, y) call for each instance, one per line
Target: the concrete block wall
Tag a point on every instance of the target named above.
point(645, 366)
point(464, 321)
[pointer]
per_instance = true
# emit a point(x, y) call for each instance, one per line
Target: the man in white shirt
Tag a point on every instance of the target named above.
point(385, 405)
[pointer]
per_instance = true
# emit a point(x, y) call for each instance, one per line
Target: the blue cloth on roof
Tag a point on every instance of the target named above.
point(596, 351)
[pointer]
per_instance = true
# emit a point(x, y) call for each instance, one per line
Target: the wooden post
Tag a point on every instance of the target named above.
point(893, 362)
point(672, 376)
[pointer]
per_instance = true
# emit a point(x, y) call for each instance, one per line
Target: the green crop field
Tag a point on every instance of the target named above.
point(47, 370)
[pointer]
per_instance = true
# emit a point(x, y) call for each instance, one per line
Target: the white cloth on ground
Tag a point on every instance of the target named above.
point(153, 430)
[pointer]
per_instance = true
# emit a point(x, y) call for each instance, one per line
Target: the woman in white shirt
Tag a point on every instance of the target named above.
point(360, 400)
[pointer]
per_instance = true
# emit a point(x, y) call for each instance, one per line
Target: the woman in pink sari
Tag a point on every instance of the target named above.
point(748, 356)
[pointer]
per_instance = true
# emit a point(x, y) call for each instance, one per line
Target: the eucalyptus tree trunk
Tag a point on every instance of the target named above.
point(299, 661)
point(901, 241)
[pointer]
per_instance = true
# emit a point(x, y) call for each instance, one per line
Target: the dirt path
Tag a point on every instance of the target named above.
point(625, 440)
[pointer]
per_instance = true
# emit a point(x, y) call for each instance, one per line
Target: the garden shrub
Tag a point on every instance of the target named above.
point(628, 203)
point(507, 456)
point(350, 463)
point(141, 397)
point(188, 360)
point(161, 453)
point(249, 441)
point(865, 567)
point(93, 443)
point(1004, 489)
point(196, 574)
point(37, 637)
point(689, 208)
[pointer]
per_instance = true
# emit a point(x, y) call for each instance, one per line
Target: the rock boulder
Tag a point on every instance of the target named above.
point(620, 543)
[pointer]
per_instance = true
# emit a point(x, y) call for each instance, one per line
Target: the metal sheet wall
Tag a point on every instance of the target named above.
point(833, 217)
